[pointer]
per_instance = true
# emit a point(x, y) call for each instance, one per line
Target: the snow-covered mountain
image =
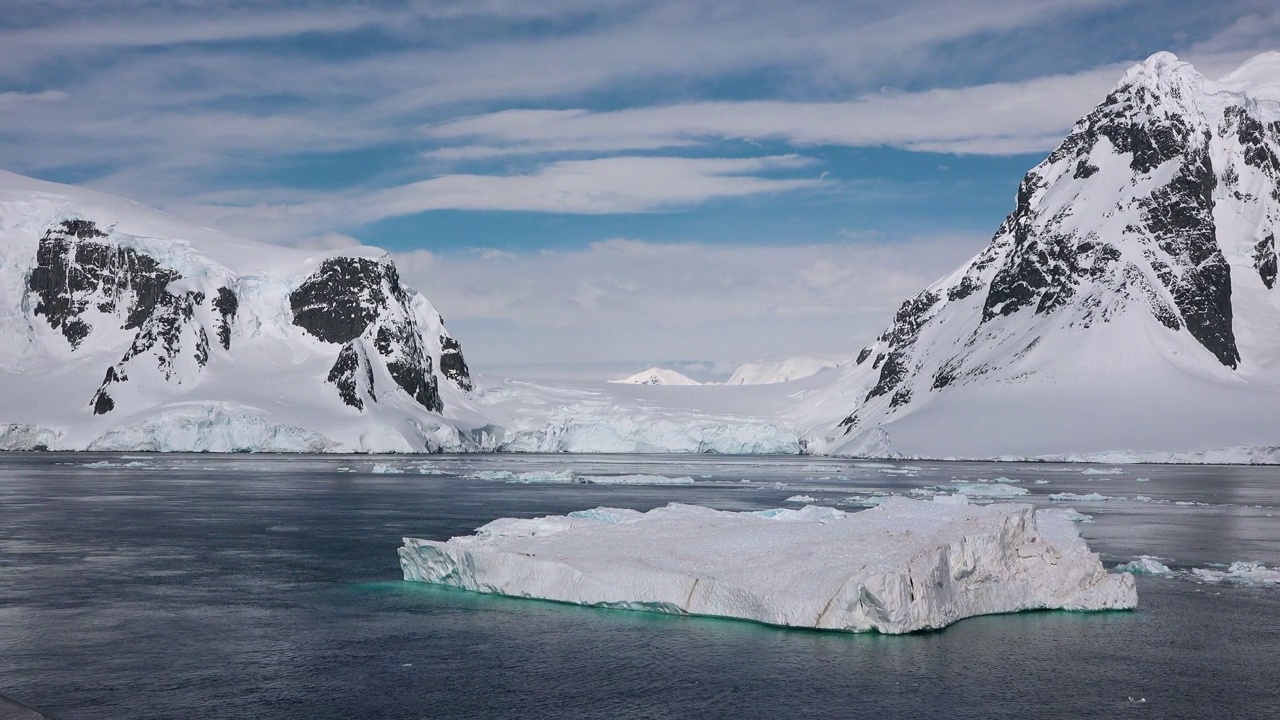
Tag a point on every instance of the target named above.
point(125, 328)
point(1129, 301)
point(657, 376)
point(769, 372)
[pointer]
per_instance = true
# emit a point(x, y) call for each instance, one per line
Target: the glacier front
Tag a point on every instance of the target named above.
point(903, 566)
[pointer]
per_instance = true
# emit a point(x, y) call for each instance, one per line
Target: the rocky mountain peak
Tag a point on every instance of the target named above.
point(1158, 211)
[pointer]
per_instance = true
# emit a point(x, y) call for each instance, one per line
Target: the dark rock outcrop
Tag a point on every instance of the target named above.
point(74, 272)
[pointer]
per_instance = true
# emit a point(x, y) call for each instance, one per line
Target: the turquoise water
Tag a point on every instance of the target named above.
point(197, 586)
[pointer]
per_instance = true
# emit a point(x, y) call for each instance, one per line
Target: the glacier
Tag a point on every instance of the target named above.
point(903, 566)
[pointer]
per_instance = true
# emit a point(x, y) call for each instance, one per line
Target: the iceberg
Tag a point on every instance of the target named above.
point(1145, 565)
point(903, 566)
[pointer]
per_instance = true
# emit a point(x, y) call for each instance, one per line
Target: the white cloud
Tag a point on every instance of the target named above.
point(623, 300)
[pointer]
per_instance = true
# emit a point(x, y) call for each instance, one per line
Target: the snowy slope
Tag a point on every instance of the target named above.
point(124, 328)
point(780, 371)
point(657, 376)
point(1127, 303)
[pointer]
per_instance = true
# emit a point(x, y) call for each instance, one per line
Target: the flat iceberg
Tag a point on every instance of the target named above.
point(902, 566)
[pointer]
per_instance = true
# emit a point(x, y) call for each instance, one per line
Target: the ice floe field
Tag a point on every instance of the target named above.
point(140, 585)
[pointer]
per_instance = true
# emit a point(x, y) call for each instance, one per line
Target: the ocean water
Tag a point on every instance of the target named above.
point(200, 586)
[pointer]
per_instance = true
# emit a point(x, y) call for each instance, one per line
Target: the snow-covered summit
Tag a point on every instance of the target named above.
point(769, 372)
point(1128, 301)
point(658, 376)
point(119, 316)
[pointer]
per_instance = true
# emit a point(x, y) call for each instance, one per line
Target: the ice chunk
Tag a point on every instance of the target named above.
point(384, 469)
point(802, 499)
point(1099, 471)
point(903, 566)
point(1145, 565)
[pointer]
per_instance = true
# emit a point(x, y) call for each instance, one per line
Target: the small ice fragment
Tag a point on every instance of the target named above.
point(1042, 482)
point(1142, 498)
point(1098, 471)
point(802, 499)
point(384, 469)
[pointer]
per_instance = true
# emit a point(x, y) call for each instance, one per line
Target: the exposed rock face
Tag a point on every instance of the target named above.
point(361, 304)
point(84, 284)
point(75, 273)
point(1153, 208)
point(454, 366)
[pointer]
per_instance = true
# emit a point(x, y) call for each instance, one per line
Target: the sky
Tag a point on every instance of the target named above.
point(585, 189)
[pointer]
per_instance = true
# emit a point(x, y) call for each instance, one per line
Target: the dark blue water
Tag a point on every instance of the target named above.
point(268, 587)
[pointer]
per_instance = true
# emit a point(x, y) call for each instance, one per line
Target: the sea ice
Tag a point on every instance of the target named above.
point(906, 565)
point(1252, 574)
point(802, 499)
point(566, 477)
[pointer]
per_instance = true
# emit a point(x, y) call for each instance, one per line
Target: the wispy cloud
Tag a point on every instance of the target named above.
point(611, 185)
point(997, 118)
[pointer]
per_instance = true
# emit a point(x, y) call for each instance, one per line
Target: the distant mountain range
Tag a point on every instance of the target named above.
point(1126, 307)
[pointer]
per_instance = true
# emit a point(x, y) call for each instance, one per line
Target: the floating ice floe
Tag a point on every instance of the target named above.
point(1100, 471)
point(802, 499)
point(906, 565)
point(384, 469)
point(1241, 574)
point(567, 477)
point(1073, 515)
point(1087, 497)
point(988, 490)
